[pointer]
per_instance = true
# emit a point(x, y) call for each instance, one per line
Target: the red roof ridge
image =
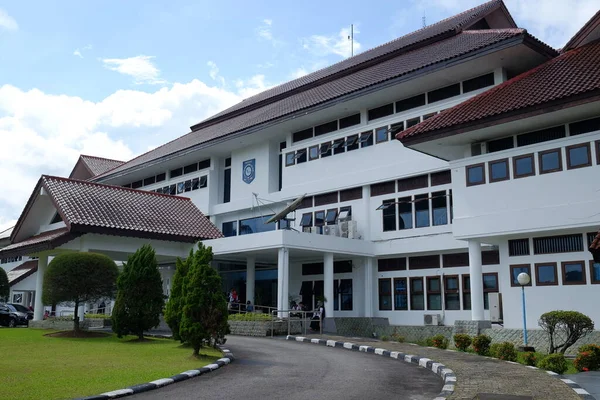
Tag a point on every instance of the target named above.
point(100, 158)
point(497, 30)
point(59, 178)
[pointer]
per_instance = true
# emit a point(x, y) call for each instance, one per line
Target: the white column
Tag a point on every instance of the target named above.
point(38, 309)
point(282, 277)
point(476, 281)
point(366, 224)
point(368, 282)
point(328, 283)
point(250, 278)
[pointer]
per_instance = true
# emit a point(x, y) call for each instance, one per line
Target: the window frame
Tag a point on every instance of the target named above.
point(310, 223)
point(387, 215)
point(466, 291)
point(417, 293)
point(592, 280)
point(380, 296)
point(540, 163)
point(537, 273)
point(575, 146)
point(473, 166)
point(427, 201)
point(387, 136)
point(399, 293)
point(451, 291)
point(433, 198)
point(514, 162)
point(486, 291)
point(322, 219)
point(290, 158)
point(327, 213)
point(564, 275)
point(434, 292)
point(505, 162)
point(514, 266)
point(368, 141)
point(310, 155)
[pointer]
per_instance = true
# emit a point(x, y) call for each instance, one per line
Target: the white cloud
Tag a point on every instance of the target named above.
point(77, 52)
point(298, 73)
point(141, 68)
point(7, 22)
point(265, 32)
point(46, 133)
point(214, 72)
point(338, 44)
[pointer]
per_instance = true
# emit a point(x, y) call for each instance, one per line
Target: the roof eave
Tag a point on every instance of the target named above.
point(102, 230)
point(40, 246)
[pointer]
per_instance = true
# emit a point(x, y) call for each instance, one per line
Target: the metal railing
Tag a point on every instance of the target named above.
point(303, 319)
point(241, 308)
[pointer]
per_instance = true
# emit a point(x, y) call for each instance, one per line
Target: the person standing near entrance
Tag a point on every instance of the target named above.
point(318, 316)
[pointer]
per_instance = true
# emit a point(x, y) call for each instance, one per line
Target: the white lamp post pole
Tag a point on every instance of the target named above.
point(524, 279)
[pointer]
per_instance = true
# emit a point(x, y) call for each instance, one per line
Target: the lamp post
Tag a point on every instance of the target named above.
point(523, 278)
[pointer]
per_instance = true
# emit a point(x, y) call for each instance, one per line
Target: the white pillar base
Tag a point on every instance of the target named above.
point(38, 309)
point(476, 274)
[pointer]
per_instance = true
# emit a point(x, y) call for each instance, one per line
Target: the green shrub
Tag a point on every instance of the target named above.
point(481, 344)
point(588, 358)
point(250, 317)
point(554, 362)
point(462, 341)
point(439, 341)
point(428, 342)
point(564, 328)
point(97, 316)
point(530, 359)
point(504, 351)
point(396, 337)
point(385, 338)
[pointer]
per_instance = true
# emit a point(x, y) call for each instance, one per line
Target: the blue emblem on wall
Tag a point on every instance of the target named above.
point(249, 170)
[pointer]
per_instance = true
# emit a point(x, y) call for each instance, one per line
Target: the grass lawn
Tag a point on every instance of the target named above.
point(35, 366)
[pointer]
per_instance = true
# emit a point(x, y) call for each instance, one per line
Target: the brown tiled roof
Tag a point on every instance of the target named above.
point(87, 207)
point(595, 243)
point(448, 26)
point(22, 271)
point(588, 33)
point(572, 76)
point(464, 43)
point(44, 241)
point(99, 165)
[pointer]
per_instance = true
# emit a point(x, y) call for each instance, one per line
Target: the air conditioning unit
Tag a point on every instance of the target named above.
point(348, 229)
point(431, 319)
point(315, 229)
point(495, 300)
point(331, 230)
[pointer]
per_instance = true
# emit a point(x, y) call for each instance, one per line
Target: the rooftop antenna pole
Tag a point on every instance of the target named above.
point(424, 23)
point(351, 38)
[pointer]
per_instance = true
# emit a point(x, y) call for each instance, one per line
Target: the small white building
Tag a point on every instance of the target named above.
point(388, 228)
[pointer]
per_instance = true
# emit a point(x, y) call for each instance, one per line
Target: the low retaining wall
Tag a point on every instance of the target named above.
point(536, 338)
point(60, 324)
point(263, 328)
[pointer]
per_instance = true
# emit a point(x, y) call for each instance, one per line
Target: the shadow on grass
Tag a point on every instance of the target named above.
point(78, 334)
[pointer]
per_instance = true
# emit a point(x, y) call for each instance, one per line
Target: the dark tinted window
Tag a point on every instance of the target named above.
point(478, 83)
point(326, 128)
point(149, 181)
point(230, 228)
point(176, 172)
point(443, 93)
point(544, 135)
point(589, 125)
point(411, 102)
point(350, 121)
point(381, 112)
point(378, 189)
point(415, 182)
point(500, 144)
point(518, 247)
point(475, 175)
point(438, 178)
point(366, 139)
point(256, 225)
point(137, 184)
point(203, 164)
point(558, 244)
point(161, 177)
point(302, 135)
point(190, 168)
point(413, 122)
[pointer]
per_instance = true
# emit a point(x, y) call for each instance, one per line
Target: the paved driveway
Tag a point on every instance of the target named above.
point(278, 369)
point(590, 381)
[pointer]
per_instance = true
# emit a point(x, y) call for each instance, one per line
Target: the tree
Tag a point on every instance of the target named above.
point(78, 278)
point(140, 297)
point(4, 285)
point(566, 327)
point(204, 317)
point(174, 307)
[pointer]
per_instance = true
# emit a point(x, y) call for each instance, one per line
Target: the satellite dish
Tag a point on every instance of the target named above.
point(283, 213)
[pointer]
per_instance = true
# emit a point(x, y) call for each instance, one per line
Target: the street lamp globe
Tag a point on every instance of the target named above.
point(523, 278)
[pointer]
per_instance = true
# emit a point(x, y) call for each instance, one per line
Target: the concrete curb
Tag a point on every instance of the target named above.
point(584, 394)
point(445, 373)
point(144, 387)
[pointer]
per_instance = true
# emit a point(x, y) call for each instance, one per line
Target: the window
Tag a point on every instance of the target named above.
point(380, 112)
point(550, 161)
point(466, 289)
point(229, 228)
point(544, 135)
point(342, 267)
point(345, 290)
point(313, 269)
point(313, 153)
point(201, 165)
point(518, 247)
point(351, 194)
point(417, 299)
point(319, 218)
point(326, 198)
point(306, 203)
point(400, 294)
point(176, 172)
point(412, 122)
point(302, 135)
point(396, 128)
point(325, 149)
point(227, 183)
point(137, 184)
point(326, 128)
point(366, 139)
point(523, 166)
point(338, 146)
point(424, 262)
point(573, 273)
point(351, 143)
point(586, 126)
point(190, 168)
point(203, 181)
point(228, 162)
point(256, 225)
point(594, 272)
point(306, 220)
point(410, 103)
point(389, 215)
point(579, 156)
point(377, 189)
point(490, 285)
point(440, 208)
point(451, 295)
point(545, 274)
point(414, 182)
point(180, 187)
point(290, 158)
point(455, 260)
point(188, 185)
point(161, 177)
point(300, 156)
point(149, 181)
point(391, 264)
point(558, 244)
point(350, 121)
point(345, 213)
point(440, 178)
point(427, 116)
point(490, 257)
point(478, 83)
point(173, 190)
point(385, 294)
point(331, 216)
point(381, 134)
point(405, 213)
point(475, 174)
point(515, 270)
point(434, 293)
point(443, 93)
point(498, 170)
point(422, 210)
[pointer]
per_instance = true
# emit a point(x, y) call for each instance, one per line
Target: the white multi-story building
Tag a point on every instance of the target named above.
point(384, 229)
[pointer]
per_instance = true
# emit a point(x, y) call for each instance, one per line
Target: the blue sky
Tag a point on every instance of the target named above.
point(116, 78)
